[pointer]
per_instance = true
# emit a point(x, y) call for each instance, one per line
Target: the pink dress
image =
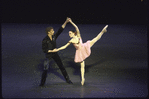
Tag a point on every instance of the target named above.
point(82, 50)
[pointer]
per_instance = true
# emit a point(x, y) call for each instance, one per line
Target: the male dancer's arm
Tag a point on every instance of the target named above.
point(61, 28)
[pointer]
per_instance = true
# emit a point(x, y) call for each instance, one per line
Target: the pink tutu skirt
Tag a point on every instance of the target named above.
point(82, 51)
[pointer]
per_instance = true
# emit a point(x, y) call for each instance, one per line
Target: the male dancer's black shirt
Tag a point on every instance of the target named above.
point(48, 44)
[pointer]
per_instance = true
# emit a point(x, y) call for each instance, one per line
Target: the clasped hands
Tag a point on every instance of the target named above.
point(55, 50)
point(68, 19)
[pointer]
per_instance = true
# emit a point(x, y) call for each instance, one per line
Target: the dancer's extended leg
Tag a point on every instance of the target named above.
point(82, 72)
point(94, 40)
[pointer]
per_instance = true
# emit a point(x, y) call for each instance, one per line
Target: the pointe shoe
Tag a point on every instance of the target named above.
point(105, 28)
point(82, 82)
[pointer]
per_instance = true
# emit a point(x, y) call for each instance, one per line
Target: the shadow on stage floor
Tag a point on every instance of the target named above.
point(117, 66)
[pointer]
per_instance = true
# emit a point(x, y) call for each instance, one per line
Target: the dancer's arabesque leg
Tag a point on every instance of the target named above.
point(94, 40)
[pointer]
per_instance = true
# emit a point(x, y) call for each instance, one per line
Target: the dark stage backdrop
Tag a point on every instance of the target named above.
point(81, 11)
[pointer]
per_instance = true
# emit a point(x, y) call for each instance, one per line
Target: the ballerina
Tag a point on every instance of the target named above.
point(83, 50)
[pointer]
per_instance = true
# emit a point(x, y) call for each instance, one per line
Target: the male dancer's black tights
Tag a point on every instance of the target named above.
point(60, 65)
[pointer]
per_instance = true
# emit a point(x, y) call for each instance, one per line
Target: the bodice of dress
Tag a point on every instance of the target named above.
point(78, 45)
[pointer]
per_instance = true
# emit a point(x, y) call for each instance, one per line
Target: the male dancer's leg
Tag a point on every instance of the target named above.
point(60, 65)
point(44, 74)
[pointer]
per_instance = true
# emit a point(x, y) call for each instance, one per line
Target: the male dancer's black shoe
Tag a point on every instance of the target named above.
point(43, 79)
point(66, 77)
point(41, 85)
point(69, 82)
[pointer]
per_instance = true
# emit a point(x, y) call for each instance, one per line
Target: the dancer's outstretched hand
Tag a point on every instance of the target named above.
point(50, 51)
point(55, 50)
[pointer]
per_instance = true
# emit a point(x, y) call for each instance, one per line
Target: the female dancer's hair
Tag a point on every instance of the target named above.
point(75, 32)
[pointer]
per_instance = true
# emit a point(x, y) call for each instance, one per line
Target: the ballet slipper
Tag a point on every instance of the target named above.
point(82, 82)
point(105, 29)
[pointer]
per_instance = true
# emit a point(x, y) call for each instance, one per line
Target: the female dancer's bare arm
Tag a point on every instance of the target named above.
point(61, 48)
point(65, 46)
point(76, 27)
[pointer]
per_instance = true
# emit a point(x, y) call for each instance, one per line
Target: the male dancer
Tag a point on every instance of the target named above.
point(49, 43)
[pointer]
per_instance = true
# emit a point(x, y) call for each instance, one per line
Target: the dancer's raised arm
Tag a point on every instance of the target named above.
point(76, 27)
point(64, 25)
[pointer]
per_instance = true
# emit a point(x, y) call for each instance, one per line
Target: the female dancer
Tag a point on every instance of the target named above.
point(82, 49)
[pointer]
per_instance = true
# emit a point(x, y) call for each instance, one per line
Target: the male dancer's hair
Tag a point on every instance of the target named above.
point(48, 29)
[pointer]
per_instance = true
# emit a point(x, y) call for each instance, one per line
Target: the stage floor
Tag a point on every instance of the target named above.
point(117, 66)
